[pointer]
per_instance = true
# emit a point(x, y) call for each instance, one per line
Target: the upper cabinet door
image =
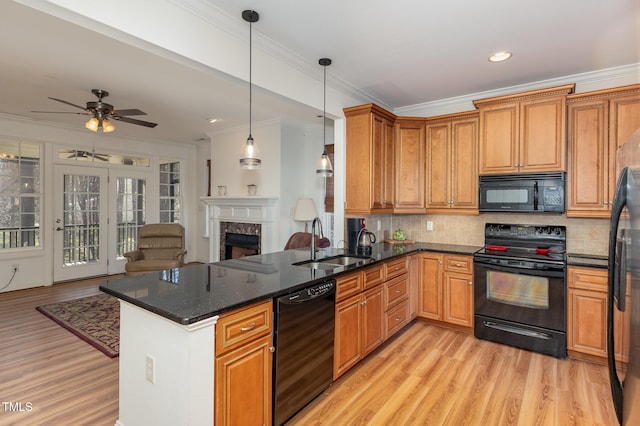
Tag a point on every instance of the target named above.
point(438, 165)
point(464, 165)
point(542, 135)
point(410, 166)
point(499, 139)
point(588, 171)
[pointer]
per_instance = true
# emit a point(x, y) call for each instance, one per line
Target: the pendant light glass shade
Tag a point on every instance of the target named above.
point(250, 155)
point(324, 168)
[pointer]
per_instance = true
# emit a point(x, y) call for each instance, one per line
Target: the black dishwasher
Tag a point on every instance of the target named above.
point(303, 361)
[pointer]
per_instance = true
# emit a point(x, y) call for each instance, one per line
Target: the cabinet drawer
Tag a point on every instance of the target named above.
point(396, 267)
point(462, 264)
point(587, 278)
point(397, 318)
point(396, 290)
point(348, 285)
point(239, 327)
point(372, 276)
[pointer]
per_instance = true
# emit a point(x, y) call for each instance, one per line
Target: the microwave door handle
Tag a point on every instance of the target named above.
point(535, 195)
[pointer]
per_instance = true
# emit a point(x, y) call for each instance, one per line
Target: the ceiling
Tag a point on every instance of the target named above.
point(398, 54)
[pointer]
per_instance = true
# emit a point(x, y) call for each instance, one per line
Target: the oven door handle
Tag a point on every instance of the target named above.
point(558, 273)
point(515, 330)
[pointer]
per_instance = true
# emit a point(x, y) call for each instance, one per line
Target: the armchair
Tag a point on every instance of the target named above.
point(160, 246)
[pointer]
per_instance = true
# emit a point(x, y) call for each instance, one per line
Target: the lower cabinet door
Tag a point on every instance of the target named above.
point(347, 349)
point(243, 385)
point(458, 299)
point(372, 319)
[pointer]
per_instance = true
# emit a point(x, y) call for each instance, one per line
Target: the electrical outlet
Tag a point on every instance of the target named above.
point(379, 225)
point(151, 369)
point(15, 267)
point(429, 225)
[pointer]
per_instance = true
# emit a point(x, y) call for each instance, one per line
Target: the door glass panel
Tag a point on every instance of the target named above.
point(130, 212)
point(81, 242)
point(517, 289)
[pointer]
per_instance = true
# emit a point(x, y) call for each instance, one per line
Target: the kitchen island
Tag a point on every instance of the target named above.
point(168, 321)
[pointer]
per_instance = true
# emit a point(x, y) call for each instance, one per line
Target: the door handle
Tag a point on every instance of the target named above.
point(59, 229)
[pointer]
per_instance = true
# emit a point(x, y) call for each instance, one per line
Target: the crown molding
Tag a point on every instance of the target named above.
point(585, 82)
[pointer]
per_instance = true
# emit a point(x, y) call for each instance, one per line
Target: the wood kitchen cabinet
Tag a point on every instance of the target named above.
point(371, 305)
point(452, 163)
point(446, 288)
point(599, 123)
point(369, 160)
point(587, 316)
point(409, 153)
point(243, 366)
point(359, 322)
point(523, 132)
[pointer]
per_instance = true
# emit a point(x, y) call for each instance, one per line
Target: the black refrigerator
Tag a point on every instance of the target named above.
point(624, 279)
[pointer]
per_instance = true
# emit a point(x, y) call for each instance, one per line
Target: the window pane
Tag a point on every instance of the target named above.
point(19, 194)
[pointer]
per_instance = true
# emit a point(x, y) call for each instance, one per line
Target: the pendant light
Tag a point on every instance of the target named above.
point(250, 156)
point(324, 168)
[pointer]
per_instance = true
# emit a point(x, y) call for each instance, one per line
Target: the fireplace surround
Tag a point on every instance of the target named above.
point(246, 214)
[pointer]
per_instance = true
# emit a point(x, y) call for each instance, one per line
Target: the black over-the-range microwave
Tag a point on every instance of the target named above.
point(523, 192)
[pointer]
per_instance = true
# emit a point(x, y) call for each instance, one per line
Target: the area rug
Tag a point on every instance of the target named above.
point(94, 319)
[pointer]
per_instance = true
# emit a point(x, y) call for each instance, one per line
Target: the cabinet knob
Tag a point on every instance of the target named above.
point(470, 282)
point(397, 291)
point(363, 303)
point(398, 319)
point(272, 348)
point(458, 265)
point(605, 202)
point(251, 327)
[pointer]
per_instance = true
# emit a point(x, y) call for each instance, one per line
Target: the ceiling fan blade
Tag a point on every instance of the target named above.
point(68, 103)
point(123, 112)
point(64, 112)
point(134, 121)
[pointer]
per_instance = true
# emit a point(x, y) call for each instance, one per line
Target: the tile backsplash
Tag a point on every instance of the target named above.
point(586, 236)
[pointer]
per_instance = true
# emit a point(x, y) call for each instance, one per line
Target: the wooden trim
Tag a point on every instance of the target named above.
point(526, 96)
point(631, 89)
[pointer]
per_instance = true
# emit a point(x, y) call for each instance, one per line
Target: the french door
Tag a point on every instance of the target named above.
point(98, 212)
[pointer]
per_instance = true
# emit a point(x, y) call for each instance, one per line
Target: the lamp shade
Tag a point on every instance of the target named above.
point(305, 210)
point(92, 124)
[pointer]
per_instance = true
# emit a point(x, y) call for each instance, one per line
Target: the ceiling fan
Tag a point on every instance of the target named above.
point(75, 153)
point(102, 113)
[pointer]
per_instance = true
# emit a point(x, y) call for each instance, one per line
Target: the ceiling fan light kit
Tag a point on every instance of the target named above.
point(324, 168)
point(250, 155)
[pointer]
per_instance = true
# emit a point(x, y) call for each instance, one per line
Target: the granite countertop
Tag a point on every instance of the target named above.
point(590, 260)
point(197, 292)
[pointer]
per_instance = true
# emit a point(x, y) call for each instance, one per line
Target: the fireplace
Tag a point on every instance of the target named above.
point(253, 216)
point(240, 245)
point(239, 239)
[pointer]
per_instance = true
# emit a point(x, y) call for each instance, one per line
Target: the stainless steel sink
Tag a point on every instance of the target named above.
point(335, 262)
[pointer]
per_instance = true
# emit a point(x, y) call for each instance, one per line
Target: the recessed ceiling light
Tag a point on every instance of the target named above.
point(500, 56)
point(212, 120)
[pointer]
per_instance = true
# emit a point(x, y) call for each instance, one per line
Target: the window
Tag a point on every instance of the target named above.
point(131, 212)
point(19, 195)
point(170, 194)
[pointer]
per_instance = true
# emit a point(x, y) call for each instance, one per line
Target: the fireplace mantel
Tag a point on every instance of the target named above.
point(248, 209)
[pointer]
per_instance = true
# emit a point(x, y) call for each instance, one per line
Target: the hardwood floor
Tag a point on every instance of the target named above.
point(427, 375)
point(433, 376)
point(56, 378)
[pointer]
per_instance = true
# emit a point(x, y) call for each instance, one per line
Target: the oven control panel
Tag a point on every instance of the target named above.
point(525, 232)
